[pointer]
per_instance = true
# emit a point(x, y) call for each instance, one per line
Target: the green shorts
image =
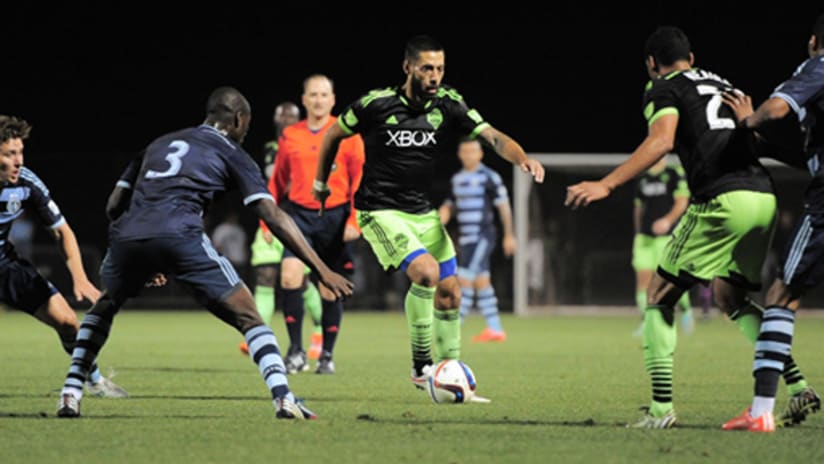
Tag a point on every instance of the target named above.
point(647, 250)
point(394, 235)
point(268, 254)
point(726, 237)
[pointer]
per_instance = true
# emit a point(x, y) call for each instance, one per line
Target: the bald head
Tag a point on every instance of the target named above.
point(229, 111)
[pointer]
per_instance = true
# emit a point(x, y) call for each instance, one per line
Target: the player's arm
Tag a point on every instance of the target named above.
point(772, 109)
point(445, 212)
point(326, 157)
point(284, 228)
point(507, 148)
point(505, 213)
point(121, 195)
point(83, 288)
point(659, 141)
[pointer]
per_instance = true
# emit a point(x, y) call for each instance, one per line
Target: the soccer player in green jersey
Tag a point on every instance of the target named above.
point(405, 129)
point(724, 235)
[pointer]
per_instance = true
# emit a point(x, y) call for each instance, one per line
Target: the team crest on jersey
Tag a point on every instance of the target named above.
point(435, 118)
point(14, 204)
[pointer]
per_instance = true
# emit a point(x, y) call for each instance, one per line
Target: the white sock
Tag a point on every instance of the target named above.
point(760, 405)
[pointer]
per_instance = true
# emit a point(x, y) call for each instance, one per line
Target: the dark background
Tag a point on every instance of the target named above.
point(99, 81)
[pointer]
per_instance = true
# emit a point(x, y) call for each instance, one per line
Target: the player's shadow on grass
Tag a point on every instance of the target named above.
point(201, 370)
point(410, 419)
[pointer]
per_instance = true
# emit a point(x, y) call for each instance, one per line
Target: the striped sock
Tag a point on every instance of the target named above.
point(488, 305)
point(264, 351)
point(772, 349)
point(419, 308)
point(467, 301)
point(94, 331)
point(660, 338)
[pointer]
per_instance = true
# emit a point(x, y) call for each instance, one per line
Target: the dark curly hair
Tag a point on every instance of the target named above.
point(12, 127)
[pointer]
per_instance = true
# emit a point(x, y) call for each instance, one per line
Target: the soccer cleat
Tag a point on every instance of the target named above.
point(105, 388)
point(667, 421)
point(763, 423)
point(296, 362)
point(489, 335)
point(316, 347)
point(293, 410)
point(420, 379)
point(799, 407)
point(68, 406)
point(244, 348)
point(325, 365)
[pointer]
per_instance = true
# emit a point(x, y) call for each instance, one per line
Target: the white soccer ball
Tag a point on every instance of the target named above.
point(451, 381)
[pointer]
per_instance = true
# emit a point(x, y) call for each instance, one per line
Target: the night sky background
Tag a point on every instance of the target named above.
point(99, 81)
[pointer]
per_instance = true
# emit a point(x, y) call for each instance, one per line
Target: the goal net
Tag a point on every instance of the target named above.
point(582, 258)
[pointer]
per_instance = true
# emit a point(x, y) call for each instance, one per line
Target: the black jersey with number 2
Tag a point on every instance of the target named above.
point(717, 158)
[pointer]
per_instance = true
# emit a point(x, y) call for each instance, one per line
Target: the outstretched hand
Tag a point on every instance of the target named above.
point(86, 291)
point(584, 193)
point(740, 103)
point(338, 284)
point(535, 168)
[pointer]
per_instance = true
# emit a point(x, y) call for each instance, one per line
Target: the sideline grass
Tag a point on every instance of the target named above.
point(562, 389)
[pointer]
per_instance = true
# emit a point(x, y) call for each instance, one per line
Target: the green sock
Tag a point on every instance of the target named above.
point(419, 308)
point(660, 338)
point(447, 330)
point(313, 305)
point(641, 301)
point(265, 302)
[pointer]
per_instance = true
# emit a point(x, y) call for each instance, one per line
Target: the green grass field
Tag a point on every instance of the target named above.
point(562, 387)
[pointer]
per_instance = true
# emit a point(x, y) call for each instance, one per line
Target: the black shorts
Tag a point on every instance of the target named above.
point(22, 287)
point(192, 261)
point(324, 234)
point(802, 265)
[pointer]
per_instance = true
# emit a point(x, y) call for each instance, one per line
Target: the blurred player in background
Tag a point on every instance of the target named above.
point(802, 97)
point(405, 128)
point(661, 197)
point(294, 172)
point(477, 191)
point(725, 234)
point(267, 250)
point(22, 286)
point(157, 209)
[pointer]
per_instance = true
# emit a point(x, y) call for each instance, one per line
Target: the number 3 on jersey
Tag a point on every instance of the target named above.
point(177, 150)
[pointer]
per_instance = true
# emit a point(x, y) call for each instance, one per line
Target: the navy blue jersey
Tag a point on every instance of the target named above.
point(804, 92)
point(716, 157)
point(29, 192)
point(474, 196)
point(176, 179)
point(403, 141)
point(655, 193)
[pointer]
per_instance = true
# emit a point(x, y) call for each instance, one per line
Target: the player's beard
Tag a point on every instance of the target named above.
point(419, 93)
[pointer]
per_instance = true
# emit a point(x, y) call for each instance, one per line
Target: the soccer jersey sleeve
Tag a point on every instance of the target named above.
point(247, 177)
point(128, 178)
point(41, 202)
point(659, 100)
point(467, 121)
point(497, 189)
point(806, 82)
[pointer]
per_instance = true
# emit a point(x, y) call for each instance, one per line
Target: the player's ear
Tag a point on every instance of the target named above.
point(406, 67)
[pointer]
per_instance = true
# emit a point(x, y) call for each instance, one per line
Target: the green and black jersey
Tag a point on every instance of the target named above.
point(655, 192)
point(403, 141)
point(716, 157)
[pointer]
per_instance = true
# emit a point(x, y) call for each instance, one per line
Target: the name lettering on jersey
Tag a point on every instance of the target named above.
point(407, 138)
point(701, 75)
point(14, 203)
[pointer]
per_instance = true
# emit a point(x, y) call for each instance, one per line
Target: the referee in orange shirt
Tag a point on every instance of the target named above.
point(294, 173)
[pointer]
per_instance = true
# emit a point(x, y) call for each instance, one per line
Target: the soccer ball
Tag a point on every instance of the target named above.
point(452, 381)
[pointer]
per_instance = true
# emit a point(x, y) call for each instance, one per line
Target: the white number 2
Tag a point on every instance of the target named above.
point(713, 106)
point(178, 149)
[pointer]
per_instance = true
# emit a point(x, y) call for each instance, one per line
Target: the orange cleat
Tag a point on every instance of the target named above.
point(316, 346)
point(244, 348)
point(489, 335)
point(763, 423)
